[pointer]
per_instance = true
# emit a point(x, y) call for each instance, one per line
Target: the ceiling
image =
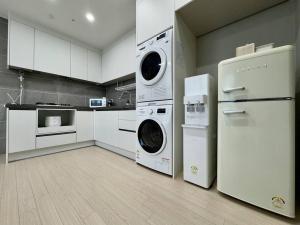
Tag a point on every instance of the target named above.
point(113, 18)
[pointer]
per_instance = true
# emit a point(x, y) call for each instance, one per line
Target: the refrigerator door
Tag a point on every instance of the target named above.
point(256, 153)
point(269, 74)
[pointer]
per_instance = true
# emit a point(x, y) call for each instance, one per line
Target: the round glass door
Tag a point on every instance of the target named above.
point(153, 66)
point(151, 136)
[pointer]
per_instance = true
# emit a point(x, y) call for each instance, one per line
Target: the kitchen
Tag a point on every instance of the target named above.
point(64, 69)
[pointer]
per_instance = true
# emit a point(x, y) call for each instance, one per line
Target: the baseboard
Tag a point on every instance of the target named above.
point(128, 154)
point(47, 151)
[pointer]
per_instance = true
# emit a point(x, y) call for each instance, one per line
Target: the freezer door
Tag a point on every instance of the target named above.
point(263, 76)
point(256, 153)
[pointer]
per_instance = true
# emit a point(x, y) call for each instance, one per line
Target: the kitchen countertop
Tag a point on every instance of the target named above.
point(116, 108)
point(78, 108)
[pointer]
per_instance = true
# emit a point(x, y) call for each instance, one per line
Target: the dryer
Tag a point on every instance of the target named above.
point(154, 136)
point(154, 69)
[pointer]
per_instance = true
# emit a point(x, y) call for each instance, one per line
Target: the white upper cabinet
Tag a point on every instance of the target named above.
point(52, 54)
point(119, 59)
point(21, 45)
point(153, 17)
point(181, 3)
point(79, 64)
point(94, 67)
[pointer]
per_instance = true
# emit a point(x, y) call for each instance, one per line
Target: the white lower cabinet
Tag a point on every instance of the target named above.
point(85, 126)
point(116, 128)
point(127, 130)
point(127, 140)
point(106, 127)
point(55, 140)
point(21, 130)
point(112, 128)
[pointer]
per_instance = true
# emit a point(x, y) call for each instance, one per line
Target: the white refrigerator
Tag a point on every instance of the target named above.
point(256, 129)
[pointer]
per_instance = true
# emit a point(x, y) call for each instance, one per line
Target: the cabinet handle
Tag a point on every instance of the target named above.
point(229, 90)
point(230, 112)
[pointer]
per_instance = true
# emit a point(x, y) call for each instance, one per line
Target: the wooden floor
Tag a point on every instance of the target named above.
point(92, 186)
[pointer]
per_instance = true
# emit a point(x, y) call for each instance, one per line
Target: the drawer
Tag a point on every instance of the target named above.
point(55, 140)
point(127, 125)
point(127, 115)
point(127, 141)
point(263, 76)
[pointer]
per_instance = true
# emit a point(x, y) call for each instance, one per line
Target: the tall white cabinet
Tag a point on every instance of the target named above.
point(153, 17)
point(52, 54)
point(20, 45)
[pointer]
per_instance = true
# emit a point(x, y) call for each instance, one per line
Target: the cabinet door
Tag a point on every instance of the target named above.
point(94, 67)
point(153, 17)
point(52, 54)
point(106, 127)
point(119, 59)
point(79, 57)
point(21, 45)
point(127, 140)
point(85, 126)
point(21, 130)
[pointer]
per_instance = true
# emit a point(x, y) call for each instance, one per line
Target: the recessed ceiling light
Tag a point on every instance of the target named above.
point(90, 17)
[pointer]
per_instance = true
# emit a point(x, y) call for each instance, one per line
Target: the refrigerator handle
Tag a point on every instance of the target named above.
point(230, 112)
point(229, 90)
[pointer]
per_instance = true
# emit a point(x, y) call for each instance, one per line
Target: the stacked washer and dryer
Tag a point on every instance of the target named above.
point(154, 89)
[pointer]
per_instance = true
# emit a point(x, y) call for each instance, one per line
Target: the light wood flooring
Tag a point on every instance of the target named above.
point(92, 186)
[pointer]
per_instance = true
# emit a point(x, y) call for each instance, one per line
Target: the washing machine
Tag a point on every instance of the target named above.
point(154, 136)
point(154, 69)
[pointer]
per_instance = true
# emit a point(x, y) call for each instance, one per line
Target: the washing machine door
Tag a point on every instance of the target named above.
point(152, 136)
point(153, 65)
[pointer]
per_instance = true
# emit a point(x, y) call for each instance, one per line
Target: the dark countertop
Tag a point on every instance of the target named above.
point(116, 108)
point(78, 108)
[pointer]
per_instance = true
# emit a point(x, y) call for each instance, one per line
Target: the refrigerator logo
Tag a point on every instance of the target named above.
point(250, 68)
point(278, 202)
point(194, 170)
